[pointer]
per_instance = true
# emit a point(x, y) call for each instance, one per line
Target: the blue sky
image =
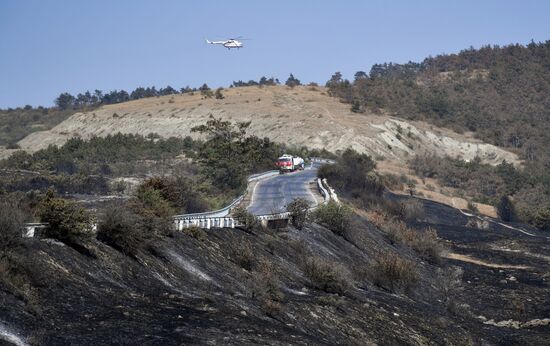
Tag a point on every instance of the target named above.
point(51, 46)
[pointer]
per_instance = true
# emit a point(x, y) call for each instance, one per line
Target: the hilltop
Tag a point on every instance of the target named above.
point(301, 116)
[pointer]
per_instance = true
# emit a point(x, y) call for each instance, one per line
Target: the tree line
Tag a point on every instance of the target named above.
point(93, 99)
point(501, 94)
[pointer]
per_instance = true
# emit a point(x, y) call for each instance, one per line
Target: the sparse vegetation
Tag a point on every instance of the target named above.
point(11, 226)
point(243, 254)
point(500, 93)
point(353, 174)
point(206, 92)
point(427, 245)
point(413, 210)
point(487, 184)
point(245, 218)
point(298, 210)
point(424, 242)
point(450, 284)
point(334, 216)
point(292, 81)
point(505, 209)
point(196, 232)
point(122, 229)
point(219, 94)
point(266, 288)
point(393, 273)
point(67, 222)
point(325, 275)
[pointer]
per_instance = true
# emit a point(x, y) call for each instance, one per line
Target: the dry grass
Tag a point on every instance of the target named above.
point(243, 254)
point(196, 232)
point(430, 188)
point(424, 242)
point(339, 129)
point(325, 275)
point(266, 288)
point(393, 273)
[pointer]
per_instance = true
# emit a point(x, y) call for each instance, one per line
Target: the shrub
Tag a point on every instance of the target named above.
point(120, 228)
point(397, 231)
point(424, 243)
point(18, 274)
point(393, 273)
point(542, 219)
point(243, 254)
point(196, 232)
point(505, 209)
point(298, 210)
point(325, 276)
point(245, 218)
point(334, 216)
point(11, 226)
point(351, 174)
point(218, 94)
point(265, 287)
point(67, 222)
point(330, 300)
point(427, 245)
point(413, 210)
point(471, 206)
point(151, 199)
point(269, 280)
point(179, 192)
point(449, 282)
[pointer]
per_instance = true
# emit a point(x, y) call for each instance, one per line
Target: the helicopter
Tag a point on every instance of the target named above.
point(230, 43)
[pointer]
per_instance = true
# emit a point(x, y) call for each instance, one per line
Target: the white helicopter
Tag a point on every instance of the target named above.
point(230, 43)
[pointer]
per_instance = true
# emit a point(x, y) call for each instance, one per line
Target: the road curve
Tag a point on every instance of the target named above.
point(271, 195)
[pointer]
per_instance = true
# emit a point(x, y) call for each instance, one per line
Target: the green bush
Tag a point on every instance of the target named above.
point(152, 201)
point(335, 216)
point(67, 222)
point(542, 219)
point(471, 206)
point(196, 232)
point(245, 218)
point(180, 192)
point(122, 229)
point(506, 210)
point(351, 174)
point(298, 210)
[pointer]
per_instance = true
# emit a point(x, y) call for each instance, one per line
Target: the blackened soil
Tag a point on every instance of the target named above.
point(190, 291)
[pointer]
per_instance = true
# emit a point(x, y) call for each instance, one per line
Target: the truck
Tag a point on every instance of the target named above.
point(289, 163)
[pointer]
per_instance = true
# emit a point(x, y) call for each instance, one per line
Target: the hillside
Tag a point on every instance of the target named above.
point(236, 287)
point(500, 95)
point(303, 116)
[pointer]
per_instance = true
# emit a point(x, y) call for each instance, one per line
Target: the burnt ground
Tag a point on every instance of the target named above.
point(212, 289)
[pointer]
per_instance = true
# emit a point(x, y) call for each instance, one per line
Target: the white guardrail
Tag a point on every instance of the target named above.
point(206, 221)
point(220, 218)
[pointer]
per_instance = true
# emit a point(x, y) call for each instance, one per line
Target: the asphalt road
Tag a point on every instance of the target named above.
point(271, 195)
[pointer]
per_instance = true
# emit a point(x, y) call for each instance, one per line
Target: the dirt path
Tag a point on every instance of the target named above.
point(468, 259)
